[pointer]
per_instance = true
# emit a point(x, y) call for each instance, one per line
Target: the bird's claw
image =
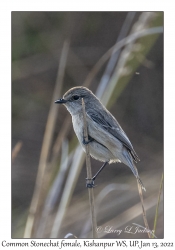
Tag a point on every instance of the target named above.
point(90, 183)
point(87, 142)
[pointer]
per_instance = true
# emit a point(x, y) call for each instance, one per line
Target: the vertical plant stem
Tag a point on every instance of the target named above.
point(143, 209)
point(157, 207)
point(89, 176)
point(48, 135)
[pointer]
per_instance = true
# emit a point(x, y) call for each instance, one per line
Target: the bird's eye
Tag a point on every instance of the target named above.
point(75, 97)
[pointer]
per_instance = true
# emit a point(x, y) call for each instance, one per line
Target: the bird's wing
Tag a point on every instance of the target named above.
point(109, 123)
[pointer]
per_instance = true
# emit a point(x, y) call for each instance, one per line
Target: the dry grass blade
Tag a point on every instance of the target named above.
point(55, 191)
point(157, 207)
point(114, 57)
point(16, 150)
point(89, 176)
point(143, 209)
point(118, 46)
point(35, 204)
point(71, 181)
point(70, 235)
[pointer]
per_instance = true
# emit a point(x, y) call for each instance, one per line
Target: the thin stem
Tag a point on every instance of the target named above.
point(143, 209)
point(157, 207)
point(89, 176)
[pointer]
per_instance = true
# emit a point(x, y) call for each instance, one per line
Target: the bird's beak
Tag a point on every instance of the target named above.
point(61, 101)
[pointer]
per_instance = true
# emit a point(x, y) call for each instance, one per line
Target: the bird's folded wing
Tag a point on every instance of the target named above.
point(109, 126)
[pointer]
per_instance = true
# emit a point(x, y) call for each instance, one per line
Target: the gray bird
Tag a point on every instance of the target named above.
point(107, 140)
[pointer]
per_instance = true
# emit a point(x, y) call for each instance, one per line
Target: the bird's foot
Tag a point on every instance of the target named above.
point(90, 183)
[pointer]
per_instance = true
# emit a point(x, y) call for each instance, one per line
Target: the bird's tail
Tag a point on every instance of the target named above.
point(129, 162)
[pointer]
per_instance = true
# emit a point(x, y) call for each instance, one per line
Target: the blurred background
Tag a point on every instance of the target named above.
point(117, 55)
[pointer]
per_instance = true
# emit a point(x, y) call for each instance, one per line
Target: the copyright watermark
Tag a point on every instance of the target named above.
point(130, 229)
point(109, 229)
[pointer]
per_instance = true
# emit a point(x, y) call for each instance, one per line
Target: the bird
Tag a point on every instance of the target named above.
point(107, 140)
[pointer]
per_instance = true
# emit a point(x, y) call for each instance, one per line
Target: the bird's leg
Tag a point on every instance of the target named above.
point(90, 182)
point(95, 176)
point(90, 139)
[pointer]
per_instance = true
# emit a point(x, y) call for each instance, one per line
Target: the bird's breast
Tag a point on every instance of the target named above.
point(77, 121)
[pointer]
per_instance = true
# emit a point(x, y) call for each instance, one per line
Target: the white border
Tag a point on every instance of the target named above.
point(5, 93)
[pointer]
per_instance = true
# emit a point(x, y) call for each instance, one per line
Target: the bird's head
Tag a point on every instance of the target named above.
point(72, 99)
